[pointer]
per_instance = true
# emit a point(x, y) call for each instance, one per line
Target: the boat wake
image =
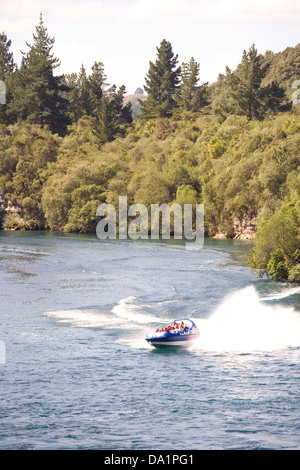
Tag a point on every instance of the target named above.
point(85, 318)
point(130, 313)
point(126, 315)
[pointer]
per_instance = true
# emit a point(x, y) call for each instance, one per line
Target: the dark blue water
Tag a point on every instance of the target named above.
point(77, 373)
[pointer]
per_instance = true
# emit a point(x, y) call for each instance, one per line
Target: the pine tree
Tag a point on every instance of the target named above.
point(85, 92)
point(250, 73)
point(6, 58)
point(92, 96)
point(71, 81)
point(246, 92)
point(97, 85)
point(122, 114)
point(38, 94)
point(105, 129)
point(189, 86)
point(274, 98)
point(162, 81)
point(191, 96)
point(84, 97)
point(112, 118)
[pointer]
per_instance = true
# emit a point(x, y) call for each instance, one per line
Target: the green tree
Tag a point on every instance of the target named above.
point(274, 98)
point(6, 58)
point(223, 95)
point(97, 85)
point(162, 81)
point(84, 96)
point(122, 114)
point(112, 118)
point(191, 96)
point(92, 96)
point(38, 94)
point(245, 90)
point(250, 73)
point(72, 85)
point(105, 129)
point(85, 92)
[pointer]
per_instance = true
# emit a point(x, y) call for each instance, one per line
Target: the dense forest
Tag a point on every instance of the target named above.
point(70, 142)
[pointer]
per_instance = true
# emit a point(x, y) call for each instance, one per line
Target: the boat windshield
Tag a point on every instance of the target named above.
point(187, 322)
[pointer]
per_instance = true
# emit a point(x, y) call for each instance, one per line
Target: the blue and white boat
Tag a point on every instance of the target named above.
point(172, 336)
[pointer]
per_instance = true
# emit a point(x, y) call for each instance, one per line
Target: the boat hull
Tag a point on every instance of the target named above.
point(173, 344)
point(180, 342)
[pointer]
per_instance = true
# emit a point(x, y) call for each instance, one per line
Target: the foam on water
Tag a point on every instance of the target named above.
point(282, 295)
point(79, 318)
point(126, 314)
point(243, 322)
point(129, 312)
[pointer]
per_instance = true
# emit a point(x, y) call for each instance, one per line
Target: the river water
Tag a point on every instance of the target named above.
point(77, 373)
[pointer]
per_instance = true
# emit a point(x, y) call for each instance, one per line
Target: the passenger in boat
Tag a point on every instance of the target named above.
point(160, 330)
point(182, 326)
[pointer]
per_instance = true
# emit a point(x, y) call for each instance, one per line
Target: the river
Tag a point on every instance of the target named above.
point(77, 373)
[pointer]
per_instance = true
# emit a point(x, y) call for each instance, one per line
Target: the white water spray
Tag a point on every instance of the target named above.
point(244, 323)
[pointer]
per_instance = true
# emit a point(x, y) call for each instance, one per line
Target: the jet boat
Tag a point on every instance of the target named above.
point(178, 333)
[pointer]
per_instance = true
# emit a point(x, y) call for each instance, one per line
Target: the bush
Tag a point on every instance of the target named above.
point(277, 247)
point(276, 266)
point(294, 273)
